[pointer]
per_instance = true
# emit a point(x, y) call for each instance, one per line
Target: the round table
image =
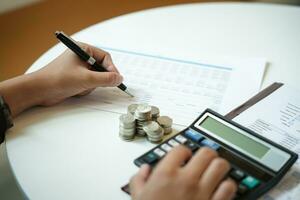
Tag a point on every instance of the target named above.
point(66, 152)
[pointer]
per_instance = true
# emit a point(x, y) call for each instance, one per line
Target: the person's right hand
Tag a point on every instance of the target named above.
point(64, 77)
point(202, 178)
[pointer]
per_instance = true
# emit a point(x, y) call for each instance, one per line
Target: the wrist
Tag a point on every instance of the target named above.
point(22, 92)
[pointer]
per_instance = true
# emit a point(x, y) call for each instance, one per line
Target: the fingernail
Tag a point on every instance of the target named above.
point(109, 68)
point(145, 167)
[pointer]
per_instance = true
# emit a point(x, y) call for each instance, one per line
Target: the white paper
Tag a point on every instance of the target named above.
point(181, 89)
point(277, 117)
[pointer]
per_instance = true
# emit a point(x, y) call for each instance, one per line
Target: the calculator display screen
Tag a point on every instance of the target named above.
point(233, 136)
point(242, 141)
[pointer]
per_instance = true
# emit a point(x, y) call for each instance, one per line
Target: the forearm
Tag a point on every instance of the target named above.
point(21, 92)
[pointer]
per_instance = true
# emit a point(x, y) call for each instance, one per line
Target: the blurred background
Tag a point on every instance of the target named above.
point(26, 32)
point(23, 20)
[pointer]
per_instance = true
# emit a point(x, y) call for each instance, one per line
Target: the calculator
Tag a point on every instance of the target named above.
point(257, 164)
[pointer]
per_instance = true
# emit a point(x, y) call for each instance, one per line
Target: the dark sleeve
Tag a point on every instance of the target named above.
point(3, 126)
point(5, 118)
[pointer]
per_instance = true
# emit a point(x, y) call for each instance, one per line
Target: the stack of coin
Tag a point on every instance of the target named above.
point(166, 123)
point(127, 127)
point(143, 117)
point(154, 113)
point(144, 120)
point(154, 132)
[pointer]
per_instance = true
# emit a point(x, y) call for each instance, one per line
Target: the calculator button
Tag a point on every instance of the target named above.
point(242, 189)
point(192, 146)
point(250, 182)
point(166, 147)
point(210, 144)
point(139, 162)
point(181, 139)
point(150, 158)
point(173, 143)
point(159, 152)
point(237, 174)
point(193, 135)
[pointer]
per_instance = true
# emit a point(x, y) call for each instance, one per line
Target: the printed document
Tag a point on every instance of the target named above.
point(277, 117)
point(181, 89)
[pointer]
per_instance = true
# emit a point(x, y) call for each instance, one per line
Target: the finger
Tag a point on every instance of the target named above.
point(104, 79)
point(174, 159)
point(199, 162)
point(213, 175)
point(138, 181)
point(225, 191)
point(108, 63)
point(104, 58)
point(101, 56)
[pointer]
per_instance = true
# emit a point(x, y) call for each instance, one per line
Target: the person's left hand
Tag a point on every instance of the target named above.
point(201, 178)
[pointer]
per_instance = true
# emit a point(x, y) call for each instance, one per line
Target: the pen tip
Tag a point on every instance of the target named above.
point(127, 92)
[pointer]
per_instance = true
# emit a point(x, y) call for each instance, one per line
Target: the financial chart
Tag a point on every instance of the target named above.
point(181, 89)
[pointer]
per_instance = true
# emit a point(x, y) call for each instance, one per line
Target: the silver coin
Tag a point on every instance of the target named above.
point(143, 123)
point(152, 126)
point(139, 133)
point(127, 119)
point(154, 111)
point(154, 141)
point(127, 126)
point(132, 108)
point(158, 133)
point(127, 131)
point(143, 116)
point(165, 121)
point(126, 138)
point(143, 108)
point(157, 137)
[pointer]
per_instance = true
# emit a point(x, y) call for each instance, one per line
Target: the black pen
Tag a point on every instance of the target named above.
point(71, 44)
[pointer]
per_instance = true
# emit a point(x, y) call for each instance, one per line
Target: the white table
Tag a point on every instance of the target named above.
point(64, 152)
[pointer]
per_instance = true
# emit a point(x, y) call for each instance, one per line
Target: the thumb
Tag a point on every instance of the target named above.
point(104, 79)
point(138, 181)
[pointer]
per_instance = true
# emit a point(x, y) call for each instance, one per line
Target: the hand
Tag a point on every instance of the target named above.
point(69, 76)
point(200, 179)
point(64, 77)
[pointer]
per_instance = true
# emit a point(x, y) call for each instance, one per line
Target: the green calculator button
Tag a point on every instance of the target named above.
point(150, 158)
point(250, 182)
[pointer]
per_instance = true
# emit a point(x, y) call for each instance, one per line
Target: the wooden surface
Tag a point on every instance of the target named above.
point(28, 32)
